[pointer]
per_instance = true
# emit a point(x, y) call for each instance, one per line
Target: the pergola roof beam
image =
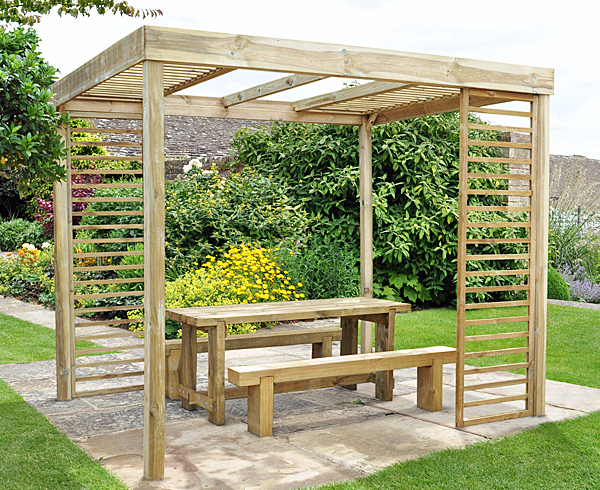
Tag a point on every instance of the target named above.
point(309, 58)
point(347, 94)
point(269, 88)
point(199, 79)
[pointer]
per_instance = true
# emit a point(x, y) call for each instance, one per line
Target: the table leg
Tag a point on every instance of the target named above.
point(384, 341)
point(216, 372)
point(349, 340)
point(189, 349)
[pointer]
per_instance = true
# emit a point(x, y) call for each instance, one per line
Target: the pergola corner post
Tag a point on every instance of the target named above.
point(540, 206)
point(154, 272)
point(63, 276)
point(365, 163)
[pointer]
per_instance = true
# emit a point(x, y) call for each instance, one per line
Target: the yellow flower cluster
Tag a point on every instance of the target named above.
point(252, 276)
point(27, 254)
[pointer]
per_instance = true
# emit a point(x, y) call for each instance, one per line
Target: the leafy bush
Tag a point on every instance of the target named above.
point(16, 232)
point(415, 195)
point(28, 274)
point(206, 212)
point(325, 270)
point(557, 286)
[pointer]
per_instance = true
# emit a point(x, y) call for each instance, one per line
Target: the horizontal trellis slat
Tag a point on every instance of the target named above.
point(515, 272)
point(97, 282)
point(499, 112)
point(495, 321)
point(108, 213)
point(489, 241)
point(507, 209)
point(127, 226)
point(497, 384)
point(109, 240)
point(118, 335)
point(486, 419)
point(106, 158)
point(108, 322)
point(493, 289)
point(108, 295)
point(501, 224)
point(497, 352)
point(122, 144)
point(492, 127)
point(101, 350)
point(496, 336)
point(107, 171)
point(108, 199)
point(108, 254)
point(108, 268)
point(109, 363)
point(500, 144)
point(498, 367)
point(497, 192)
point(498, 257)
point(109, 391)
point(499, 176)
point(497, 304)
point(500, 399)
point(101, 309)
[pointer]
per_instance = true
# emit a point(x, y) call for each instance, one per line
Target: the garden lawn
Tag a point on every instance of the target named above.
point(573, 339)
point(559, 455)
point(35, 455)
point(21, 341)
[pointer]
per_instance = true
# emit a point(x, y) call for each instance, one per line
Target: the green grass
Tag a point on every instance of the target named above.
point(35, 455)
point(560, 455)
point(573, 340)
point(21, 341)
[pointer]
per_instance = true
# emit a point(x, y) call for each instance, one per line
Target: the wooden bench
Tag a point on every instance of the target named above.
point(260, 379)
point(321, 339)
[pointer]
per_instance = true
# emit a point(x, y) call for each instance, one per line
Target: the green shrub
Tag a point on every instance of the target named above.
point(415, 195)
point(325, 270)
point(557, 286)
point(16, 232)
point(206, 212)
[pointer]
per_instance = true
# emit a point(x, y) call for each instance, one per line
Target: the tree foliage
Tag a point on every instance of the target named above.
point(415, 196)
point(29, 143)
point(29, 12)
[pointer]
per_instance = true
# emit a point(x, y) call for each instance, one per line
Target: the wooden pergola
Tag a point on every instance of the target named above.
point(139, 78)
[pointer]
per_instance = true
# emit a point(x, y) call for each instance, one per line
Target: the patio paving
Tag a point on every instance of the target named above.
point(320, 436)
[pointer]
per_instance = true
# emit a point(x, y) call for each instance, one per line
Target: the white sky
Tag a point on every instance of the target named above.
point(543, 33)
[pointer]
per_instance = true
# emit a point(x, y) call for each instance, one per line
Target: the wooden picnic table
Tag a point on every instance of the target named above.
point(214, 319)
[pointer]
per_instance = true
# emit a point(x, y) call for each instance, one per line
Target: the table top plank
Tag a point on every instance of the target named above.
point(207, 316)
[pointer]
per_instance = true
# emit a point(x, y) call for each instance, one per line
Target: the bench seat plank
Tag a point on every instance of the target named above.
point(260, 379)
point(339, 366)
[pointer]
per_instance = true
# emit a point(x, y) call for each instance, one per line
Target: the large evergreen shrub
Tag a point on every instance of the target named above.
point(415, 196)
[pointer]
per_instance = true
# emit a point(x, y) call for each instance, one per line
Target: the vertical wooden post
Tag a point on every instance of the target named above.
point(349, 340)
point(154, 273)
point(365, 165)
point(462, 255)
point(539, 217)
point(63, 263)
point(216, 372)
point(188, 362)
point(384, 341)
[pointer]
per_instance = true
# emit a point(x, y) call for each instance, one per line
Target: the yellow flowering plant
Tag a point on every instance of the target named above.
point(243, 275)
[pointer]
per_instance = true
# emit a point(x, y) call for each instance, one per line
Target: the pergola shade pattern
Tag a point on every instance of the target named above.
point(140, 76)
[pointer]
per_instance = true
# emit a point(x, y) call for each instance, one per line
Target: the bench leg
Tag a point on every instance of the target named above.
point(323, 349)
point(172, 363)
point(384, 341)
point(188, 362)
point(216, 372)
point(349, 340)
point(260, 408)
point(429, 386)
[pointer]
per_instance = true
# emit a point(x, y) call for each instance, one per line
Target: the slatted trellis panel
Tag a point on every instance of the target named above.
point(93, 258)
point(473, 333)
